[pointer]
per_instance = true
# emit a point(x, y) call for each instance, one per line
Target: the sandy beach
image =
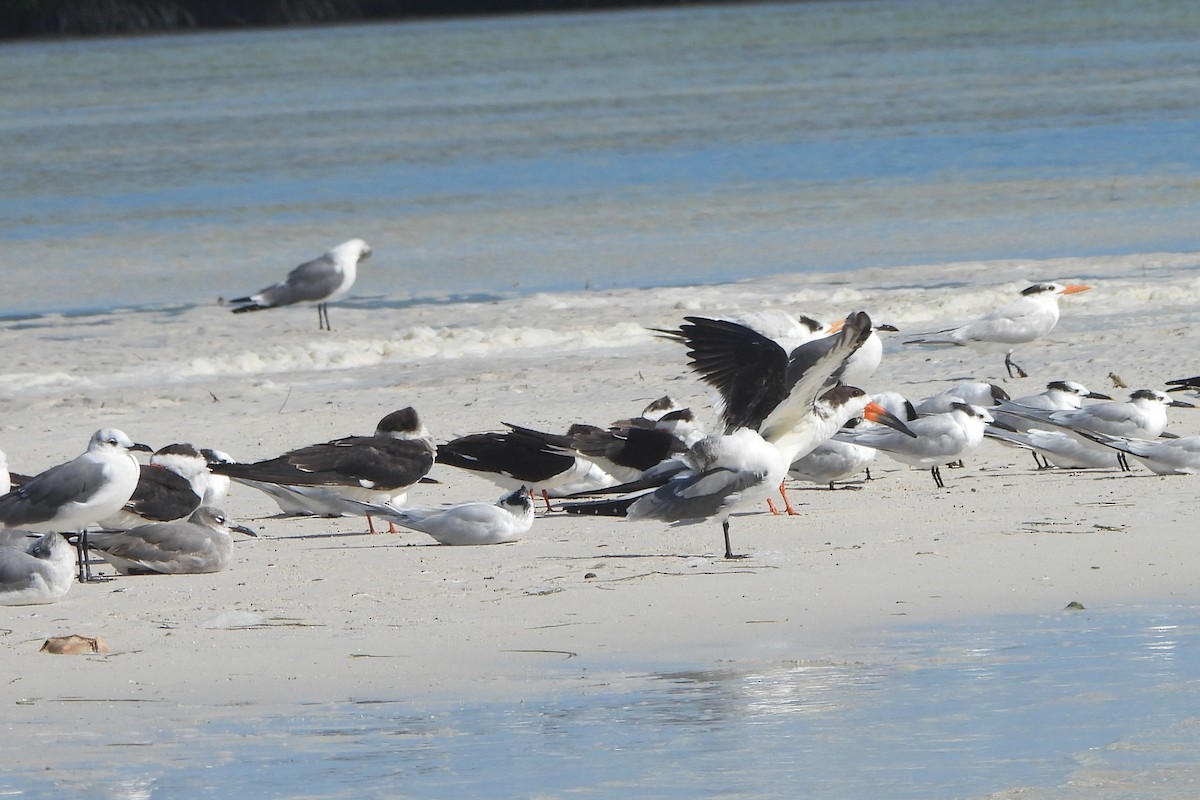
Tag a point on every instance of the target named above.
point(317, 610)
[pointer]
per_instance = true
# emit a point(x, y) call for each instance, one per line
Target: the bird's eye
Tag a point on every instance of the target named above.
point(112, 441)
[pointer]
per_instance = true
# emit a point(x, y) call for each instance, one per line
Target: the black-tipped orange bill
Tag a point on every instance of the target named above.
point(877, 413)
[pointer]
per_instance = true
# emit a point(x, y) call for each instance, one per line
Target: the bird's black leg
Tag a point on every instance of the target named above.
point(85, 561)
point(1012, 365)
point(728, 549)
point(937, 477)
point(1123, 460)
point(80, 555)
point(323, 317)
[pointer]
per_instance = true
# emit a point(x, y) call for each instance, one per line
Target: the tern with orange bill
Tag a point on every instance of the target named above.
point(1031, 316)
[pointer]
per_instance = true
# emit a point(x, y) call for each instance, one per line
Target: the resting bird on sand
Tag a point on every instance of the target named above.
point(320, 281)
point(34, 570)
point(201, 543)
point(506, 520)
point(1031, 316)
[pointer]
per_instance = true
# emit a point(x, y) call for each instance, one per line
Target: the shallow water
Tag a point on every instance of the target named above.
point(635, 148)
point(1094, 704)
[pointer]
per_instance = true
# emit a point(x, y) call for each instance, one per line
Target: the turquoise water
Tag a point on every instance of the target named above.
point(1081, 704)
point(633, 148)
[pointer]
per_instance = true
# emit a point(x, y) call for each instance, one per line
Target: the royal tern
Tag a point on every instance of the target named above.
point(376, 469)
point(939, 438)
point(1031, 316)
point(774, 410)
point(506, 520)
point(320, 281)
point(34, 569)
point(1143, 416)
point(71, 496)
point(201, 543)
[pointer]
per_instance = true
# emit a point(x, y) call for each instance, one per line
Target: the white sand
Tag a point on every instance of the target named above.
point(317, 611)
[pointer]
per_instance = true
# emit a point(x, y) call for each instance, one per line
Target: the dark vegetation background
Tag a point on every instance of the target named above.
point(23, 18)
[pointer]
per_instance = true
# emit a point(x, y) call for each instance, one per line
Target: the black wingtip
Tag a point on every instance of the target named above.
point(601, 508)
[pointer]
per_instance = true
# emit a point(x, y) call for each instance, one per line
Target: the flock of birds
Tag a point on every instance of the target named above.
point(788, 403)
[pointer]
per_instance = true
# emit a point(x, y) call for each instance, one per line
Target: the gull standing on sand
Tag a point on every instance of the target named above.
point(81, 492)
point(201, 543)
point(34, 570)
point(506, 520)
point(313, 480)
point(320, 281)
point(1031, 316)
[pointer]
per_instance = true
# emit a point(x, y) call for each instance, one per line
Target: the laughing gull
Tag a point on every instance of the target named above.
point(170, 487)
point(71, 496)
point(201, 543)
point(374, 469)
point(506, 520)
point(34, 570)
point(1031, 316)
point(320, 281)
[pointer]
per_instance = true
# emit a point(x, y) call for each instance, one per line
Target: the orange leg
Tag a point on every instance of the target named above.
point(791, 510)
